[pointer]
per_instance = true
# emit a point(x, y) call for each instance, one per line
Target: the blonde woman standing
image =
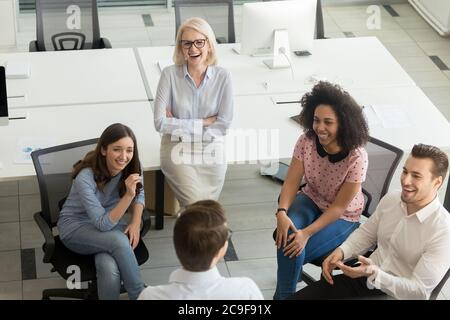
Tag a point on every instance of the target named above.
point(193, 110)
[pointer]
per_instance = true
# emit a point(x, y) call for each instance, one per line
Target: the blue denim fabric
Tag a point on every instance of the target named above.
point(303, 212)
point(114, 260)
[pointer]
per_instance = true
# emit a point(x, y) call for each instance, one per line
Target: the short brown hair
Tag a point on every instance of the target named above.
point(439, 158)
point(199, 233)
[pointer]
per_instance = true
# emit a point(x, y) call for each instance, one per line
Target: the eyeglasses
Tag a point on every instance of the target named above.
point(187, 44)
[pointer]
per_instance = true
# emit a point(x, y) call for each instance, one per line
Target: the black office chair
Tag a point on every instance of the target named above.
point(67, 25)
point(218, 13)
point(53, 168)
point(319, 32)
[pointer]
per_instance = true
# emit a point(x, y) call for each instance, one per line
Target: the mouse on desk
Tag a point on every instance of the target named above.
point(301, 53)
point(315, 78)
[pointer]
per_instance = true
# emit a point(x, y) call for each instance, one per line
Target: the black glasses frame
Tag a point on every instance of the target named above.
point(198, 43)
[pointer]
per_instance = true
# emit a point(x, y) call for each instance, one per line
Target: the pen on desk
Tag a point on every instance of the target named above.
point(17, 96)
point(287, 102)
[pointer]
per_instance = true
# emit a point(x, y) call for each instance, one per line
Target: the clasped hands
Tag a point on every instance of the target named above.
point(294, 243)
point(363, 268)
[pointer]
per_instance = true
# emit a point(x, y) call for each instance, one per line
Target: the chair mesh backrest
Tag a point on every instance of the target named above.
point(218, 13)
point(54, 173)
point(383, 160)
point(67, 24)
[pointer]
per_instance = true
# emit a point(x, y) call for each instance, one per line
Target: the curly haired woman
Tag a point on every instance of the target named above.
point(330, 158)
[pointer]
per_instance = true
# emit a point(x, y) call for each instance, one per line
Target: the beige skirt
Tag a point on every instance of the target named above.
point(194, 171)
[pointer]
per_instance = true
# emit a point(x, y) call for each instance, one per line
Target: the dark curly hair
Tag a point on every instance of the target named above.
point(353, 131)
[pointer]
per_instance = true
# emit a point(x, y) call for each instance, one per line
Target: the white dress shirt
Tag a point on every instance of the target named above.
point(190, 104)
point(413, 252)
point(207, 285)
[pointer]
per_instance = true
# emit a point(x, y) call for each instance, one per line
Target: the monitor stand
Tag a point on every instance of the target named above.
point(281, 51)
point(4, 121)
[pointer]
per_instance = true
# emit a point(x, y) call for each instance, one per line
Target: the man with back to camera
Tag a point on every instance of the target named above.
point(201, 238)
point(412, 232)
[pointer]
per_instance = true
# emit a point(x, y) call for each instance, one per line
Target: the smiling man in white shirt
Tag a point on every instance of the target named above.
point(411, 230)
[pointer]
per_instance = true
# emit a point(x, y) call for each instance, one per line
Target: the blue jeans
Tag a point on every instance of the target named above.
point(303, 212)
point(114, 260)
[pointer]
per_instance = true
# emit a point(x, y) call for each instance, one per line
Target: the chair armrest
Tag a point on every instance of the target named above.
point(49, 245)
point(33, 46)
point(367, 205)
point(105, 44)
point(146, 222)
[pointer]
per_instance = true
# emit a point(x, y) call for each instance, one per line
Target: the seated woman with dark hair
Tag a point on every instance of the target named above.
point(106, 183)
point(329, 157)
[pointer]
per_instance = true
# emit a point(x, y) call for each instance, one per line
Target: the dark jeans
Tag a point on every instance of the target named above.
point(343, 288)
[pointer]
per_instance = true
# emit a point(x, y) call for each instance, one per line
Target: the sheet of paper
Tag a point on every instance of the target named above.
point(371, 116)
point(18, 69)
point(392, 116)
point(27, 145)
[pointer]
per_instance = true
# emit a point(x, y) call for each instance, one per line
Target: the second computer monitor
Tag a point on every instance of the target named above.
point(261, 19)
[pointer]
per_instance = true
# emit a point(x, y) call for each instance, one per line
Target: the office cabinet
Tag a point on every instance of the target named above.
point(8, 23)
point(436, 13)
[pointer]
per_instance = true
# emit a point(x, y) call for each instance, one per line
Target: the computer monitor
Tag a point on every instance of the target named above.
point(278, 27)
point(3, 98)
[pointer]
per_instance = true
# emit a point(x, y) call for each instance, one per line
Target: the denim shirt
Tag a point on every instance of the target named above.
point(189, 105)
point(86, 204)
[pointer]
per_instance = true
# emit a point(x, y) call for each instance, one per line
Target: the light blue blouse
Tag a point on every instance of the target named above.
point(189, 105)
point(86, 204)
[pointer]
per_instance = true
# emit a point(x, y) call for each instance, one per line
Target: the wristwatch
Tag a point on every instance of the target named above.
point(281, 209)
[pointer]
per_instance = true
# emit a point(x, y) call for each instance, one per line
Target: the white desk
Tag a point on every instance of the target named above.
point(92, 89)
point(424, 123)
point(74, 123)
point(258, 113)
point(76, 77)
point(351, 62)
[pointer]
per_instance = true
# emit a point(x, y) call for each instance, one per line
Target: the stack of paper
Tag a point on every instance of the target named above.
point(18, 70)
